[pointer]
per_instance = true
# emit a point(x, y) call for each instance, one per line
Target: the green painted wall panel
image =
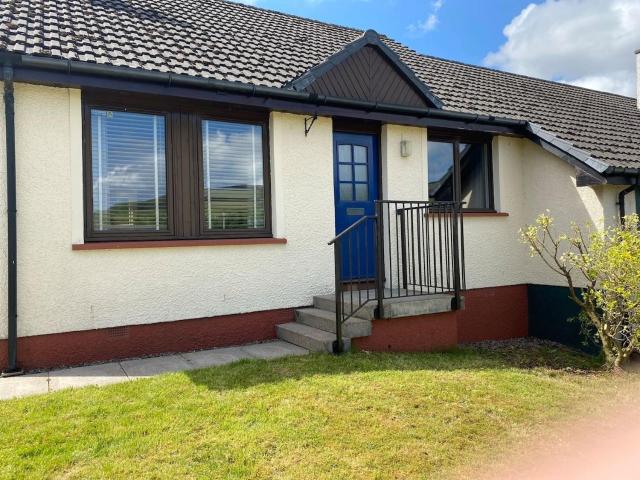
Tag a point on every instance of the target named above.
point(550, 309)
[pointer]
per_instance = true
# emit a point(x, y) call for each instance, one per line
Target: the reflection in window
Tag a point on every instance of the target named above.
point(474, 173)
point(233, 176)
point(440, 171)
point(128, 169)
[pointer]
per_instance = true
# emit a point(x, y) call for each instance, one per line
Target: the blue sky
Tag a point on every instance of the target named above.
point(589, 43)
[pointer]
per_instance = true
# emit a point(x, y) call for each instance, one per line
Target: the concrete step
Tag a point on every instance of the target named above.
point(308, 337)
point(328, 304)
point(393, 307)
point(326, 320)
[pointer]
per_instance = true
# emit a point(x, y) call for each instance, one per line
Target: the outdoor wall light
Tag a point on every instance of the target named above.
point(405, 148)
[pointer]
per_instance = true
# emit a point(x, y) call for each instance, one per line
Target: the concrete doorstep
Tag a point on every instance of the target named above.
point(116, 372)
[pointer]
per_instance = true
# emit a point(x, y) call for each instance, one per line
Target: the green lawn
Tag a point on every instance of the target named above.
point(355, 416)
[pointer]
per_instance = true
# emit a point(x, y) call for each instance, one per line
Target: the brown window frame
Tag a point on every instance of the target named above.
point(456, 138)
point(184, 168)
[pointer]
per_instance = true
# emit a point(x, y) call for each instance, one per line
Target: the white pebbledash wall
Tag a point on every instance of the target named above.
point(61, 290)
point(528, 181)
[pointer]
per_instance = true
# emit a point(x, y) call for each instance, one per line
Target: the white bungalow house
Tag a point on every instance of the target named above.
point(176, 170)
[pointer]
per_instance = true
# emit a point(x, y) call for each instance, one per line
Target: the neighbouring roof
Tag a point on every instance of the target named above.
point(228, 41)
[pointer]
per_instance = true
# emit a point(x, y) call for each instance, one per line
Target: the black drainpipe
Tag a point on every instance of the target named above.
point(621, 196)
point(12, 300)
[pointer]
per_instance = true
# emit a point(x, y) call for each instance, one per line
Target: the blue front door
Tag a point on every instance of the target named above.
point(356, 189)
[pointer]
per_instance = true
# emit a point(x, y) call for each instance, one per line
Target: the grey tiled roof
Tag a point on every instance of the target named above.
point(227, 41)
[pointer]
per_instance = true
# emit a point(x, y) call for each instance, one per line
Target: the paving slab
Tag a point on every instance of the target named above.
point(148, 367)
point(14, 387)
point(215, 357)
point(104, 374)
point(115, 372)
point(271, 350)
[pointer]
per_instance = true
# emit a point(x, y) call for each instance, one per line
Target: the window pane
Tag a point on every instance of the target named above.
point(346, 192)
point(440, 168)
point(362, 193)
point(361, 173)
point(345, 173)
point(359, 154)
point(128, 168)
point(344, 153)
point(474, 172)
point(233, 179)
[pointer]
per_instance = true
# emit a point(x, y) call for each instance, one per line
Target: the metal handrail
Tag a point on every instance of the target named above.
point(351, 227)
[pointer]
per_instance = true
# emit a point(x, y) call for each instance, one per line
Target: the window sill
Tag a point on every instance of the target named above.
point(177, 243)
point(484, 214)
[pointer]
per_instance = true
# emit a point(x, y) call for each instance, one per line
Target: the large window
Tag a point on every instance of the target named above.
point(460, 169)
point(173, 171)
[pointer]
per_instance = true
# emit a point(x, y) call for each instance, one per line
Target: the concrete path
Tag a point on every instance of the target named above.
point(115, 372)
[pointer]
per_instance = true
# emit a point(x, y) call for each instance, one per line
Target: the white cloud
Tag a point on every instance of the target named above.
point(431, 22)
point(589, 43)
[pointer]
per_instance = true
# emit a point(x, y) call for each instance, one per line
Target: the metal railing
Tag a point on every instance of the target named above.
point(407, 249)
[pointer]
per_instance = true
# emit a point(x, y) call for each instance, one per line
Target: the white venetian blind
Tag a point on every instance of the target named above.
point(233, 176)
point(129, 171)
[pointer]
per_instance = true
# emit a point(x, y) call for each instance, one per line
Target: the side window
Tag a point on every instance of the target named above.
point(460, 169)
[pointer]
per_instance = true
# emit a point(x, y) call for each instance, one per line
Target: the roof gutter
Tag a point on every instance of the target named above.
point(172, 79)
point(12, 297)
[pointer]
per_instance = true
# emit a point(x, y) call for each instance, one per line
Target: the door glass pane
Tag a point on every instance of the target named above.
point(344, 153)
point(359, 154)
point(233, 179)
point(362, 193)
point(346, 192)
point(440, 168)
point(128, 169)
point(361, 173)
point(345, 173)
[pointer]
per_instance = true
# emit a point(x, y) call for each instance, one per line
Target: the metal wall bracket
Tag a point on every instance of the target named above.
point(308, 123)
